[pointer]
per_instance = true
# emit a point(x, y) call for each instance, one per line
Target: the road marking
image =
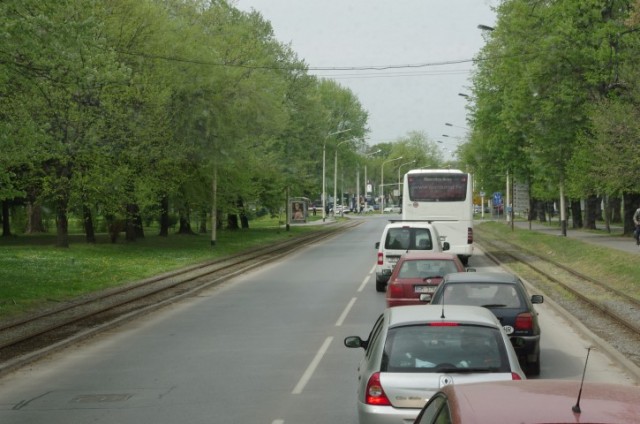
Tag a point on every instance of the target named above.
point(312, 367)
point(345, 312)
point(373, 268)
point(364, 283)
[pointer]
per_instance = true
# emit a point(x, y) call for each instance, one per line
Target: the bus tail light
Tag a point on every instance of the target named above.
point(469, 235)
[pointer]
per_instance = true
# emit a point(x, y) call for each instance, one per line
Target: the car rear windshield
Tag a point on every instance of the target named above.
point(434, 348)
point(480, 294)
point(423, 268)
point(408, 238)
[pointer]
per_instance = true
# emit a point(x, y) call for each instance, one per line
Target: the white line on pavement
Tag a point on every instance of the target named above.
point(312, 367)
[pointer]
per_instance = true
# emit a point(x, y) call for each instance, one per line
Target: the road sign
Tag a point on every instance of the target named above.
point(497, 198)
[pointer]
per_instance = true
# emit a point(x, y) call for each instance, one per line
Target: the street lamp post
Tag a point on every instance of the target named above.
point(335, 180)
point(324, 167)
point(382, 182)
point(365, 177)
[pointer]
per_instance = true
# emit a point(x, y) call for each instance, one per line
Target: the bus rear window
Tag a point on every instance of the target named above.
point(437, 187)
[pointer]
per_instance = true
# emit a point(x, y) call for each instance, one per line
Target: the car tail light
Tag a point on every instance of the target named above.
point(469, 235)
point(380, 258)
point(375, 393)
point(524, 321)
point(515, 376)
point(394, 289)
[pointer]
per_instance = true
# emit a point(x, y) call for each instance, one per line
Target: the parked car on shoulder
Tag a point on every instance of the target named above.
point(413, 351)
point(417, 273)
point(533, 402)
point(392, 209)
point(507, 297)
point(400, 237)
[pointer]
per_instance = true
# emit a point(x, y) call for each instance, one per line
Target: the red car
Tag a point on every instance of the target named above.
point(533, 402)
point(418, 273)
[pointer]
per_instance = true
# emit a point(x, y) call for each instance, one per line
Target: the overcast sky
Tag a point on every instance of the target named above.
point(361, 33)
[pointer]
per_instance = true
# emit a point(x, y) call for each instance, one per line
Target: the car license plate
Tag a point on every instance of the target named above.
point(392, 260)
point(424, 289)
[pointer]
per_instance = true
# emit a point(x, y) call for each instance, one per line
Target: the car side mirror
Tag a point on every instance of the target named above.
point(355, 341)
point(446, 246)
point(537, 298)
point(377, 245)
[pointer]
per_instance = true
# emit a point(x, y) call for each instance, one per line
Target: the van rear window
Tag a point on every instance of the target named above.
point(408, 238)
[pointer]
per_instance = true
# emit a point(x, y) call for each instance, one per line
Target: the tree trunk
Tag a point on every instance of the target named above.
point(539, 211)
point(576, 214)
point(615, 205)
point(134, 227)
point(185, 224)
point(6, 225)
point(591, 210)
point(244, 220)
point(164, 216)
point(232, 221)
point(631, 203)
point(90, 234)
point(62, 223)
point(35, 223)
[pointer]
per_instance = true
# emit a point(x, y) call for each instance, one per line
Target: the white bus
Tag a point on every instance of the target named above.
point(444, 197)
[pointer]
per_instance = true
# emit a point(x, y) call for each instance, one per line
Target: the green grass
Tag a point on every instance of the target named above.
point(613, 266)
point(34, 274)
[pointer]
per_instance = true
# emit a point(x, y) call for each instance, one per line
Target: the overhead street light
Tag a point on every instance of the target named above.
point(485, 27)
point(448, 124)
point(324, 167)
point(382, 182)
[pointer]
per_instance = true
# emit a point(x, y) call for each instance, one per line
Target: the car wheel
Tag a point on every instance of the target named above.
point(381, 285)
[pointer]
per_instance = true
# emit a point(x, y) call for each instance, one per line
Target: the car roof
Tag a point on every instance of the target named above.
point(409, 224)
point(428, 255)
point(404, 315)
point(482, 277)
point(545, 401)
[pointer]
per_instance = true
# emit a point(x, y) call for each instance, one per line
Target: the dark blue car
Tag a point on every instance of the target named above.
point(506, 296)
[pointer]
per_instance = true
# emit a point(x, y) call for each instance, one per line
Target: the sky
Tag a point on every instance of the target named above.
point(441, 34)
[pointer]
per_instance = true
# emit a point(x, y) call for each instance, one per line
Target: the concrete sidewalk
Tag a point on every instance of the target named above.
point(613, 240)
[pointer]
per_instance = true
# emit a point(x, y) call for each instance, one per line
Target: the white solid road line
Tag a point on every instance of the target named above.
point(312, 367)
point(345, 312)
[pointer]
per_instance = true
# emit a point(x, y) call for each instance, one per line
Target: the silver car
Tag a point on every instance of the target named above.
point(413, 351)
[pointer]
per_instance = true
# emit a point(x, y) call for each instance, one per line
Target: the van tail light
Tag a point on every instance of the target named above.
point(469, 235)
point(524, 322)
point(515, 376)
point(375, 393)
point(380, 258)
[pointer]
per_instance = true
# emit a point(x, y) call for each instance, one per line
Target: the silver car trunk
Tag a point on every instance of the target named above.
point(411, 390)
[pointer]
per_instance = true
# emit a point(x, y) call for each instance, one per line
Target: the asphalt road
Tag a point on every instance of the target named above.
point(265, 347)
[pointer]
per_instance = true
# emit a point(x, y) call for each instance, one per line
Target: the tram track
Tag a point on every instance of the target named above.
point(611, 314)
point(31, 337)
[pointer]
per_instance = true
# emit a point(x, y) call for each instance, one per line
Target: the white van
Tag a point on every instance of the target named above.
point(400, 237)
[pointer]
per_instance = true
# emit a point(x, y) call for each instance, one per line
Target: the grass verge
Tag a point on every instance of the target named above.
point(34, 274)
point(620, 269)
